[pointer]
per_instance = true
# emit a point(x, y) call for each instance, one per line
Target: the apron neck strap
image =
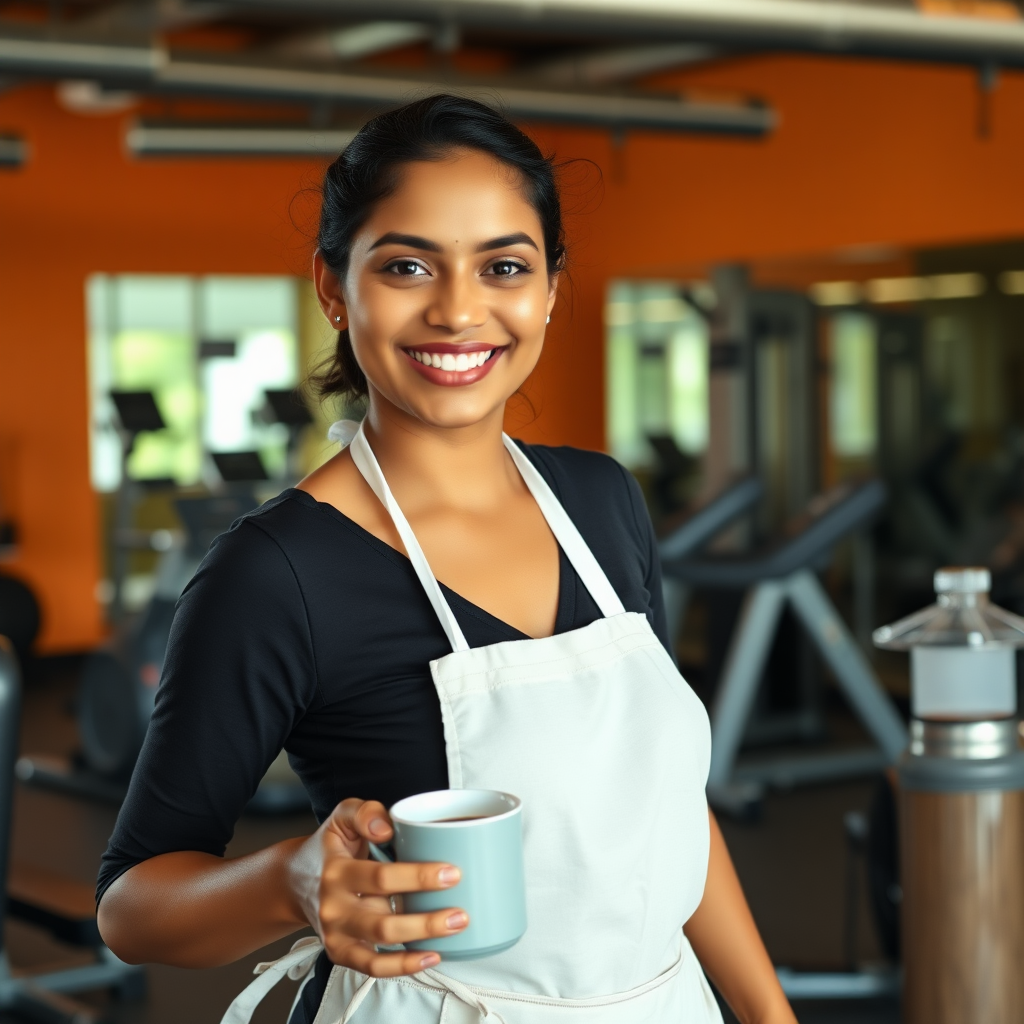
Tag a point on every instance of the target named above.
point(572, 543)
point(366, 463)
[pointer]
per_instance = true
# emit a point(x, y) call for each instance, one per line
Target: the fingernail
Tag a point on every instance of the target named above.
point(430, 960)
point(456, 920)
point(449, 876)
point(378, 826)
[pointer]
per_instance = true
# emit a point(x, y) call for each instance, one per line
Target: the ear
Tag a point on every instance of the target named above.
point(553, 280)
point(329, 294)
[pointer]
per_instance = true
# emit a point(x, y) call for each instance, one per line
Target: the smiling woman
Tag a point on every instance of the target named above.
point(439, 606)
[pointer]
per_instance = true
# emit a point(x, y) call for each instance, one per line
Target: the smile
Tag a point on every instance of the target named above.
point(454, 365)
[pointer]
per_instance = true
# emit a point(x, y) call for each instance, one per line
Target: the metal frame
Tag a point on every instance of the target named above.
point(42, 996)
point(735, 787)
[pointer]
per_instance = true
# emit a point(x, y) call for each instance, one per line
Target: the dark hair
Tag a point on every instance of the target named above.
point(367, 171)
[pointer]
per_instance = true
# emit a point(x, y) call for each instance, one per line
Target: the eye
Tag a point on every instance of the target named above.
point(508, 268)
point(406, 268)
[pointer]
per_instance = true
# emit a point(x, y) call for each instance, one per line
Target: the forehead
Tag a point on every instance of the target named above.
point(467, 195)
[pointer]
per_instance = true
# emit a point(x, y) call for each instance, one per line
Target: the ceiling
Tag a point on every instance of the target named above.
point(330, 62)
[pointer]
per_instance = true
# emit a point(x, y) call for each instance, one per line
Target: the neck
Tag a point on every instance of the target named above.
point(461, 467)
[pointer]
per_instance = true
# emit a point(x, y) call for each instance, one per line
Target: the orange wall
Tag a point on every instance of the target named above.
point(866, 153)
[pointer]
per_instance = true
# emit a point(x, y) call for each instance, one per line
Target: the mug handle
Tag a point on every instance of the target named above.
point(378, 853)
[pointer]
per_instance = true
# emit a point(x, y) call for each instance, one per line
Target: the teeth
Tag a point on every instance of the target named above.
point(453, 363)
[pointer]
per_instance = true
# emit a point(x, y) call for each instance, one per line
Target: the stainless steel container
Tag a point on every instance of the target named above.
point(962, 809)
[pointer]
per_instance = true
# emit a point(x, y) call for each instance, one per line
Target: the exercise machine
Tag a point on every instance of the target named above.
point(117, 688)
point(780, 575)
point(62, 906)
point(688, 533)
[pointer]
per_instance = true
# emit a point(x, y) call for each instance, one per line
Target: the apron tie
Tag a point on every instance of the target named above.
point(298, 964)
point(465, 995)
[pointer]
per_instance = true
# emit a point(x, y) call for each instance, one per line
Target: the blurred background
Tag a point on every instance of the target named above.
point(796, 236)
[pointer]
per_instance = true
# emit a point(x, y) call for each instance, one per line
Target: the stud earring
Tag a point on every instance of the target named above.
point(548, 320)
point(338, 319)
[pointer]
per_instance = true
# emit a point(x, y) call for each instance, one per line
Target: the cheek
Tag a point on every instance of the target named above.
point(527, 307)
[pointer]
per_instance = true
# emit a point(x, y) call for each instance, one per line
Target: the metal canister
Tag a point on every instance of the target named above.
point(961, 796)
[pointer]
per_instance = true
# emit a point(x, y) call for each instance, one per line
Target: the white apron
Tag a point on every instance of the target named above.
point(608, 748)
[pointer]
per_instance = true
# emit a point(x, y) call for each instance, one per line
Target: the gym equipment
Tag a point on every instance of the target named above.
point(118, 683)
point(962, 808)
point(782, 574)
point(288, 408)
point(19, 615)
point(62, 906)
point(137, 413)
point(688, 533)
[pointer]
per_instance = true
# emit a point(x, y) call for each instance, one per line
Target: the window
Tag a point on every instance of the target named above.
point(657, 371)
point(854, 385)
point(207, 348)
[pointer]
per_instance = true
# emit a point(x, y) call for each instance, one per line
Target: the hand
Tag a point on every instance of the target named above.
point(345, 897)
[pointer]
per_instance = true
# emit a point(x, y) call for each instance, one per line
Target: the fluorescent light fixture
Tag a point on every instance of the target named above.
point(1011, 282)
point(918, 289)
point(955, 286)
point(837, 293)
point(13, 151)
point(235, 140)
point(377, 37)
point(897, 289)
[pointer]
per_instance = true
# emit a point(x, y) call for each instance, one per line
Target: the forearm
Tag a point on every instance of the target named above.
point(191, 909)
point(725, 938)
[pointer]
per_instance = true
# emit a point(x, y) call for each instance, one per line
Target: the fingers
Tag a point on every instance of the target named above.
point(364, 819)
point(370, 878)
point(392, 929)
point(388, 965)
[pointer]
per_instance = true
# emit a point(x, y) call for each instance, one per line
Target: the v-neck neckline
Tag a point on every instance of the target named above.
point(564, 614)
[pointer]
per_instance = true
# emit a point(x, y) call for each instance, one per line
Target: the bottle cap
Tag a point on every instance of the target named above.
point(967, 580)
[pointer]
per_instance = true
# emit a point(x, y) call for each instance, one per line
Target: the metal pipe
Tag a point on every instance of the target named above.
point(845, 27)
point(24, 54)
point(10, 720)
point(151, 70)
point(234, 140)
point(577, 107)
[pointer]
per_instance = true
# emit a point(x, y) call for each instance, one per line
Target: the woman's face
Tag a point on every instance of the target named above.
point(447, 291)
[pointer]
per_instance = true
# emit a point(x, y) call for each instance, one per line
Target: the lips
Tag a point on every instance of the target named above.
point(452, 365)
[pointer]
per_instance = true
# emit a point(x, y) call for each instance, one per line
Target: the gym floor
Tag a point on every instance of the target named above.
point(793, 864)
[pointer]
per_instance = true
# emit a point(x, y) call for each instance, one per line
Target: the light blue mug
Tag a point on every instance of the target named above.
point(480, 831)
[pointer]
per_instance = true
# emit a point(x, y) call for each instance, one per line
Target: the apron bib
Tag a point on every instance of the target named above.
point(608, 748)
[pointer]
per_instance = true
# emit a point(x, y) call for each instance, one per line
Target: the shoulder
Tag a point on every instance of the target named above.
point(583, 475)
point(591, 485)
point(258, 552)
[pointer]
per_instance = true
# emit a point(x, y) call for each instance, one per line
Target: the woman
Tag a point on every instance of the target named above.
point(308, 627)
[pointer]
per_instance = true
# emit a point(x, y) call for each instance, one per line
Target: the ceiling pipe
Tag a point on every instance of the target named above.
point(589, 108)
point(13, 151)
point(152, 70)
point(154, 140)
point(602, 67)
point(831, 27)
point(47, 57)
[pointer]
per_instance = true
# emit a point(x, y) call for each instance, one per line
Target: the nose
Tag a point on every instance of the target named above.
point(457, 304)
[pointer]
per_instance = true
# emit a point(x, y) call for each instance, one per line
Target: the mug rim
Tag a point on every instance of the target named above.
point(396, 812)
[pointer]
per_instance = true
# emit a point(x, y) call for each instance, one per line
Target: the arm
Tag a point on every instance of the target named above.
point(725, 938)
point(192, 909)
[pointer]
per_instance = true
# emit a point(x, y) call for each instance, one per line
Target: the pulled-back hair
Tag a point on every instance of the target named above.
point(368, 170)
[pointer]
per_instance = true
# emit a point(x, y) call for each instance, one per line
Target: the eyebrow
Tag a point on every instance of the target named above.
point(425, 244)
